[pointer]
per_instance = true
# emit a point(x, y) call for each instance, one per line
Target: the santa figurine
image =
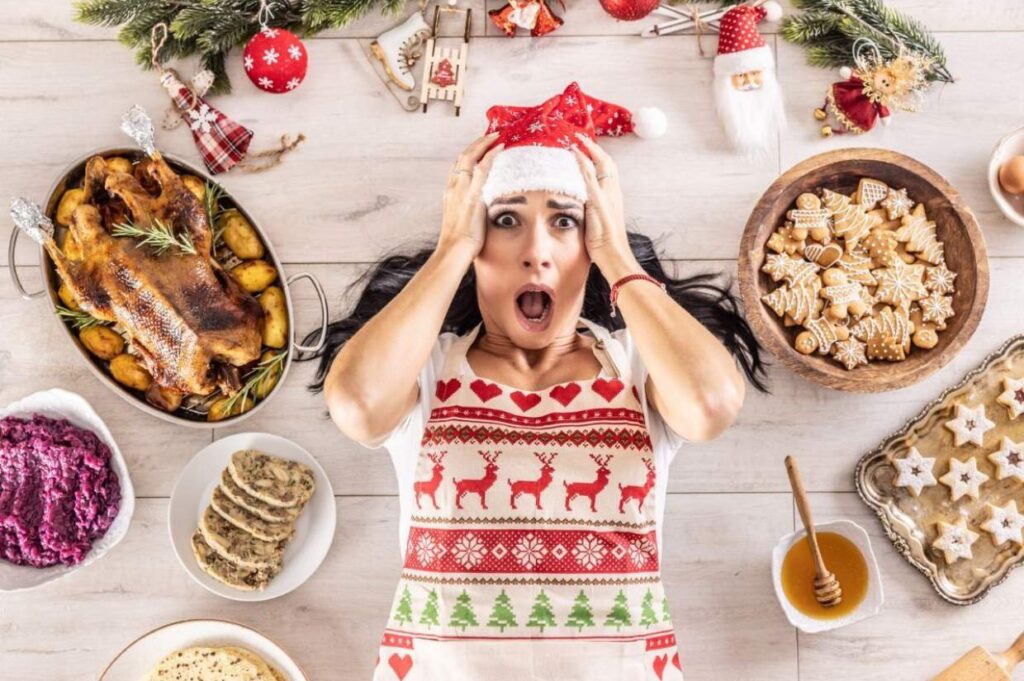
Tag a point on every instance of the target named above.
point(869, 93)
point(747, 94)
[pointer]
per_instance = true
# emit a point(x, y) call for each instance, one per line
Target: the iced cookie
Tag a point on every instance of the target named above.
point(936, 308)
point(915, 471)
point(955, 541)
point(900, 284)
point(970, 425)
point(850, 353)
point(1004, 523)
point(939, 279)
point(1012, 396)
point(870, 191)
point(964, 478)
point(1009, 460)
point(897, 203)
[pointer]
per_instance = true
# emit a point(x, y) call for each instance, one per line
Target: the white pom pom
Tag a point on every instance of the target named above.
point(885, 120)
point(772, 10)
point(649, 122)
point(845, 72)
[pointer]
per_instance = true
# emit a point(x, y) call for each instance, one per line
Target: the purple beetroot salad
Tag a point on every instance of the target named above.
point(58, 492)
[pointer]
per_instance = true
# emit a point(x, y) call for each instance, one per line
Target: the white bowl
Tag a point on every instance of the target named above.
point(61, 404)
point(142, 654)
point(314, 530)
point(1011, 206)
point(873, 599)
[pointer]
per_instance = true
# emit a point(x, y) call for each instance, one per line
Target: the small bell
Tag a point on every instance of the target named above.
point(826, 131)
point(820, 114)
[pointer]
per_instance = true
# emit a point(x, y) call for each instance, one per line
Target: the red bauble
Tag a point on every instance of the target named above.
point(629, 10)
point(275, 60)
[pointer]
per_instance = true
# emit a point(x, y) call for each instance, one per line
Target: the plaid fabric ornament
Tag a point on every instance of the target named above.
point(221, 141)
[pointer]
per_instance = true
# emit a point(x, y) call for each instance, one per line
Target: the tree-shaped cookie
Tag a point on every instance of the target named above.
point(501, 614)
point(800, 303)
point(918, 233)
point(581, 615)
point(955, 540)
point(870, 191)
point(849, 220)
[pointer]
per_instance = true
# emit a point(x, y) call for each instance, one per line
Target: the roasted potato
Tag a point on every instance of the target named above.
point(71, 248)
point(240, 236)
point(195, 185)
point(275, 317)
point(162, 398)
point(129, 372)
point(119, 164)
point(255, 275)
point(102, 341)
point(264, 387)
point(69, 201)
point(68, 297)
point(219, 409)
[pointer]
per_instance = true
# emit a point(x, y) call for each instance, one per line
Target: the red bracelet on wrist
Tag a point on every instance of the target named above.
point(614, 296)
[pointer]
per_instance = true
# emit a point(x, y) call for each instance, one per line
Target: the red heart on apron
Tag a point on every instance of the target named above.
point(400, 664)
point(676, 662)
point(565, 394)
point(660, 662)
point(607, 389)
point(446, 390)
point(524, 401)
point(483, 390)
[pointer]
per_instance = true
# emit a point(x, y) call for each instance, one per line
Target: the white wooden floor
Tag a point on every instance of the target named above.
point(369, 178)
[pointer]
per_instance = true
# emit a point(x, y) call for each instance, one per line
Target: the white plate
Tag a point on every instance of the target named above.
point(314, 530)
point(1011, 206)
point(142, 654)
point(61, 404)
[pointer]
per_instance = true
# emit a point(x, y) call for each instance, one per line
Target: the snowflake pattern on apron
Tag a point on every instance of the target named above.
point(532, 551)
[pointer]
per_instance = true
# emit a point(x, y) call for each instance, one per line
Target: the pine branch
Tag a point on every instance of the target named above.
point(160, 236)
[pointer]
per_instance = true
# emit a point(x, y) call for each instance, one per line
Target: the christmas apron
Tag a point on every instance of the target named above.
point(532, 551)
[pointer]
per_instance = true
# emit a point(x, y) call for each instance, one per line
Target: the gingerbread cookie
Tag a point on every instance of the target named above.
point(939, 279)
point(870, 192)
point(897, 203)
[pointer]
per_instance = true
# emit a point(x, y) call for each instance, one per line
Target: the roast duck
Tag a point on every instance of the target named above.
point(189, 321)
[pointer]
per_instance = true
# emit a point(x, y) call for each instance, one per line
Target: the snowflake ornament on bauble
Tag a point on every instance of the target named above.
point(275, 60)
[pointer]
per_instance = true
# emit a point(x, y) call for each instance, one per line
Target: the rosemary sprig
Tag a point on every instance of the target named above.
point(211, 202)
point(263, 371)
point(160, 236)
point(78, 319)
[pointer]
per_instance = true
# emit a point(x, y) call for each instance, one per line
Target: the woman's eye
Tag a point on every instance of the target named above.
point(566, 222)
point(505, 220)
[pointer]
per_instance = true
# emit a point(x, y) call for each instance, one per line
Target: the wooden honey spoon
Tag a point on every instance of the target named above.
point(827, 590)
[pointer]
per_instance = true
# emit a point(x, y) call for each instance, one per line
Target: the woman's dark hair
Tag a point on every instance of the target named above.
point(702, 295)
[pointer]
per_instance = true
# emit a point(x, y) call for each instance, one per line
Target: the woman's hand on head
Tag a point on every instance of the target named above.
point(606, 239)
point(464, 216)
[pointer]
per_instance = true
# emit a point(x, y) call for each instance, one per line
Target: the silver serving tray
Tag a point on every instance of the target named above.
point(72, 177)
point(903, 517)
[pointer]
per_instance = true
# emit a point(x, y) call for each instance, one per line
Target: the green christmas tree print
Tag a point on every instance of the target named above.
point(502, 615)
point(665, 617)
point(581, 614)
point(619, 615)
point(647, 614)
point(541, 615)
point(403, 613)
point(462, 614)
point(429, 614)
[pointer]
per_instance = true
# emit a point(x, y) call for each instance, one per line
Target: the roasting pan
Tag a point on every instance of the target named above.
point(72, 177)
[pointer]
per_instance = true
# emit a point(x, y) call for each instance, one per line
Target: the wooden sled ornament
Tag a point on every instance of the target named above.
point(444, 68)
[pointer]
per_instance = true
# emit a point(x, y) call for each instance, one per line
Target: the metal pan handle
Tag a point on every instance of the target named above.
point(15, 279)
point(324, 315)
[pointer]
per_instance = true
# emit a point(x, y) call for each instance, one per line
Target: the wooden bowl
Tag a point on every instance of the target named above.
point(956, 227)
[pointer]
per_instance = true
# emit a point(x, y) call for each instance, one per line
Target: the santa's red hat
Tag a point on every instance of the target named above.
point(538, 140)
point(740, 45)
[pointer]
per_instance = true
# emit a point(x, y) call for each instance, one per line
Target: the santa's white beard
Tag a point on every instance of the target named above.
point(752, 119)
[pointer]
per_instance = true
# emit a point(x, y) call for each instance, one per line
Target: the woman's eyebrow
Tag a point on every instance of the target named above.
point(563, 206)
point(508, 200)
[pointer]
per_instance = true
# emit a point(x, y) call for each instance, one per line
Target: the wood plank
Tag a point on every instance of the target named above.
point(829, 430)
point(715, 576)
point(917, 634)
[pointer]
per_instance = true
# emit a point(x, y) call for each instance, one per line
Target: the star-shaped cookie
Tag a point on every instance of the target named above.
point(900, 284)
point(1009, 460)
point(1004, 523)
point(955, 541)
point(897, 203)
point(1012, 396)
point(964, 478)
point(970, 425)
point(915, 471)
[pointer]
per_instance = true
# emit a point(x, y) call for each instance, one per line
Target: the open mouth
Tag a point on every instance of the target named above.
point(534, 304)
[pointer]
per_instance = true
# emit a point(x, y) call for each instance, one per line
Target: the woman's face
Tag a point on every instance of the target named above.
point(533, 267)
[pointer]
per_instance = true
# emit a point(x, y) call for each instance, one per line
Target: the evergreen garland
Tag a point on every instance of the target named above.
point(210, 29)
point(827, 29)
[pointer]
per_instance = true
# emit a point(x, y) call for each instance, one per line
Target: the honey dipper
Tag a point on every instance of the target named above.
point(827, 590)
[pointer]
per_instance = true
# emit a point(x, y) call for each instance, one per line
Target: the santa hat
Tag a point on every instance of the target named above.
point(538, 140)
point(740, 45)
